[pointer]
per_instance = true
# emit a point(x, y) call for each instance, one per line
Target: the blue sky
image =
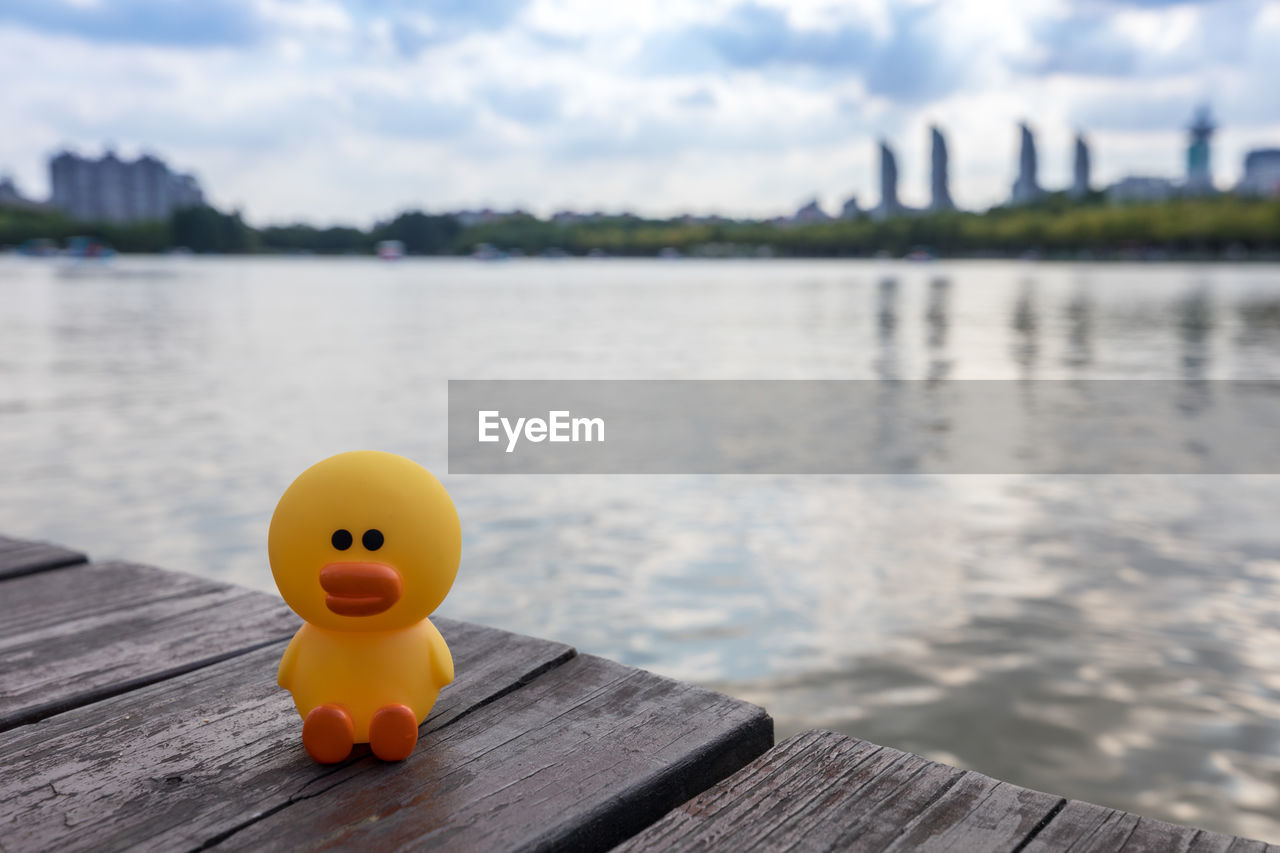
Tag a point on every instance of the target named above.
point(349, 110)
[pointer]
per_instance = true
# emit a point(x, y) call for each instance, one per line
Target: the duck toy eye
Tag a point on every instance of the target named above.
point(372, 539)
point(341, 539)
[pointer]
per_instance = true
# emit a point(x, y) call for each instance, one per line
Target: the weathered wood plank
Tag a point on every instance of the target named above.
point(193, 758)
point(773, 795)
point(823, 791)
point(977, 813)
point(579, 759)
point(1248, 845)
point(76, 635)
point(1081, 827)
point(20, 557)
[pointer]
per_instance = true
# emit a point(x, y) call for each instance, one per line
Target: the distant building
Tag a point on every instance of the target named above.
point(1141, 188)
point(1199, 166)
point(939, 182)
point(1080, 171)
point(850, 208)
point(811, 212)
point(889, 204)
point(691, 219)
point(1027, 187)
point(1261, 172)
point(114, 190)
point(489, 216)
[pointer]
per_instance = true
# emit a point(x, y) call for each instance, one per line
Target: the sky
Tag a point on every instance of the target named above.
point(348, 111)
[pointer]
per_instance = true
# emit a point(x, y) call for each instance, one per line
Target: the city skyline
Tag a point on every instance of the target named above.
point(342, 111)
point(111, 189)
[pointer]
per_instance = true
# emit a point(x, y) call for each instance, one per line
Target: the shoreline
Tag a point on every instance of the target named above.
point(1255, 259)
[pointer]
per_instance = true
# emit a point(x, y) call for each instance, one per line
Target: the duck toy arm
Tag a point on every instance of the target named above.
point(441, 660)
point(284, 675)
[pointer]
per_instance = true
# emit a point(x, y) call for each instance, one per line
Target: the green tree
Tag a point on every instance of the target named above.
point(204, 229)
point(421, 233)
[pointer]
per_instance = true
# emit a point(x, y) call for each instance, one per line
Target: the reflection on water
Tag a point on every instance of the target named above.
point(1194, 324)
point(1025, 346)
point(936, 323)
point(1078, 318)
point(1115, 639)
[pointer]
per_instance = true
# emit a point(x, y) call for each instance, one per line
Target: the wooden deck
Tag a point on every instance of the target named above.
point(824, 791)
point(139, 710)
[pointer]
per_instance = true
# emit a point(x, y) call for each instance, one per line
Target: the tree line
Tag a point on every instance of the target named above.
point(1055, 226)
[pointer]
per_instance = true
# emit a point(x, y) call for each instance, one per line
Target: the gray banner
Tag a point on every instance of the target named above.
point(864, 427)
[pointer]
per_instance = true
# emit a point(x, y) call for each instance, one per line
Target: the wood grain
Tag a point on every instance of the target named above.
point(1081, 827)
point(78, 634)
point(181, 763)
point(824, 791)
point(579, 759)
point(20, 557)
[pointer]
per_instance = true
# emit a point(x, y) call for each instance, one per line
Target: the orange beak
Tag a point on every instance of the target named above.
point(360, 589)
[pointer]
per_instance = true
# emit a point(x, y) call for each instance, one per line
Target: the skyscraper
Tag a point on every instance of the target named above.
point(1199, 168)
point(940, 194)
point(1026, 188)
point(1080, 180)
point(889, 205)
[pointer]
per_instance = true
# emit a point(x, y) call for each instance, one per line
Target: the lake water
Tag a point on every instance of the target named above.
point(1115, 639)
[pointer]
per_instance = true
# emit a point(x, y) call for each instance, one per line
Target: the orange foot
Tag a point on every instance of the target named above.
point(392, 732)
point(327, 734)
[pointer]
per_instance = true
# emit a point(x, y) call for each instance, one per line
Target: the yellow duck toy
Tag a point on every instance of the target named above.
point(364, 546)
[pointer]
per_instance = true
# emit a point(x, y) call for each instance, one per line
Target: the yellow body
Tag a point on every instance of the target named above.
point(365, 671)
point(395, 656)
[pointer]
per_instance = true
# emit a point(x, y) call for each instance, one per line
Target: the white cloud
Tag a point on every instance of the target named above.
point(342, 111)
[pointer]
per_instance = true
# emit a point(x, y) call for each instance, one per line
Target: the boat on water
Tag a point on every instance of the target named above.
point(88, 249)
point(488, 252)
point(87, 257)
point(390, 250)
point(40, 247)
